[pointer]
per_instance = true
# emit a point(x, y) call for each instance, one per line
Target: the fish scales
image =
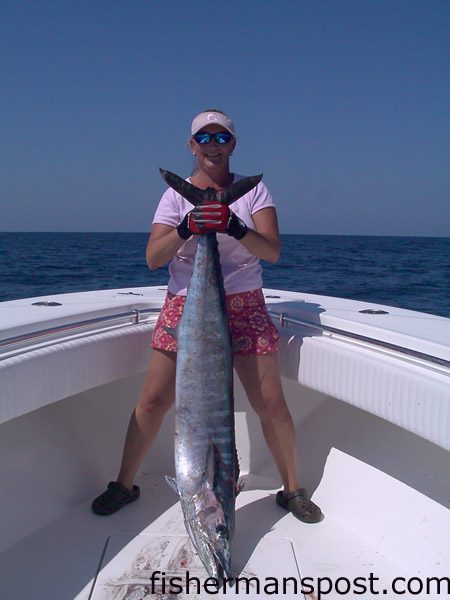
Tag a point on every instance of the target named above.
point(205, 450)
point(204, 380)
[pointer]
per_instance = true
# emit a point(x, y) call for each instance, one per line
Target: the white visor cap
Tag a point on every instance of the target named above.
point(211, 118)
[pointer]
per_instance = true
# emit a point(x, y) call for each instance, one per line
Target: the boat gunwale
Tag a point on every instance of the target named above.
point(285, 318)
point(23, 342)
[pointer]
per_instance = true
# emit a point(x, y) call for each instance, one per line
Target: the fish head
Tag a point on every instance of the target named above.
point(208, 528)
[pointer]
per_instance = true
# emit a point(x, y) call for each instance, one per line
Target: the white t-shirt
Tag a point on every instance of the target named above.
point(241, 270)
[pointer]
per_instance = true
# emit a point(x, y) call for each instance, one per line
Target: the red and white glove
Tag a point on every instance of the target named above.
point(209, 217)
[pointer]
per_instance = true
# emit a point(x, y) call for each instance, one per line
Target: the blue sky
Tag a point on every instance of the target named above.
point(343, 105)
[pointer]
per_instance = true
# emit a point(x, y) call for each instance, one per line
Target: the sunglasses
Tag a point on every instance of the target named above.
point(222, 137)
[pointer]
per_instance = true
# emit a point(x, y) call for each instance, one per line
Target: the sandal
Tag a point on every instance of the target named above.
point(299, 505)
point(114, 498)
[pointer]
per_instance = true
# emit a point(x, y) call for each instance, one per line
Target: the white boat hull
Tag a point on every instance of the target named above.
point(372, 426)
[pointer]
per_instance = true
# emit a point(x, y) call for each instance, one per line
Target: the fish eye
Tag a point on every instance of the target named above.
point(221, 530)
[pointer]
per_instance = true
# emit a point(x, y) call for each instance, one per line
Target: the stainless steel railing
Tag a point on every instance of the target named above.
point(93, 325)
point(285, 319)
point(136, 316)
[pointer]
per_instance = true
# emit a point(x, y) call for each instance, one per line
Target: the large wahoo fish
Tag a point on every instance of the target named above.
point(205, 451)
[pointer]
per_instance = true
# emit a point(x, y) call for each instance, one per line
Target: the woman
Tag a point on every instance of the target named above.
point(246, 234)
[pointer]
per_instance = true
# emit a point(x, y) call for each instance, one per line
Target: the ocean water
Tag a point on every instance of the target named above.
point(407, 272)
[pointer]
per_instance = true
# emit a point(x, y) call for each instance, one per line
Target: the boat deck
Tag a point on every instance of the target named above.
point(87, 557)
point(369, 397)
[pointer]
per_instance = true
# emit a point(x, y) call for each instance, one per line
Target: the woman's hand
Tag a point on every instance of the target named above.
point(263, 241)
point(209, 217)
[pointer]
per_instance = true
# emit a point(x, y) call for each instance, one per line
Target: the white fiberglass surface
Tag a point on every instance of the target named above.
point(57, 459)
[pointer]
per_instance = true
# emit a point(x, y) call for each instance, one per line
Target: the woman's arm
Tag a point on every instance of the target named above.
point(264, 241)
point(163, 243)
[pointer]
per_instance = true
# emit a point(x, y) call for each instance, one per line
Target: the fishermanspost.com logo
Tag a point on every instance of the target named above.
point(317, 588)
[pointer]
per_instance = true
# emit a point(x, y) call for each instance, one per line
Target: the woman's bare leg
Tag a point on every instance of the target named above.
point(260, 376)
point(157, 396)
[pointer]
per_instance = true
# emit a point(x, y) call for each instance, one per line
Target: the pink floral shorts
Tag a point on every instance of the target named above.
point(252, 330)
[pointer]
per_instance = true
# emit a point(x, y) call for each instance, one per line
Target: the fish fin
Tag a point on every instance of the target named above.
point(196, 196)
point(173, 484)
point(192, 193)
point(172, 331)
point(239, 189)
